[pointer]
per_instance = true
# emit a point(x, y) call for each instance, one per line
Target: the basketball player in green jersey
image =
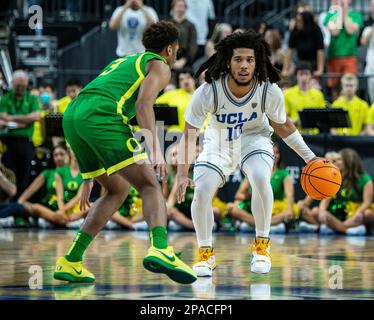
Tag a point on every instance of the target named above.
point(96, 125)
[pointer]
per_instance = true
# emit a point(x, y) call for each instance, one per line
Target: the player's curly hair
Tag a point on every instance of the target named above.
point(217, 63)
point(160, 35)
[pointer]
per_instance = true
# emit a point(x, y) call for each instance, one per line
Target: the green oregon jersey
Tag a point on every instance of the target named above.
point(355, 194)
point(49, 199)
point(339, 203)
point(71, 184)
point(119, 82)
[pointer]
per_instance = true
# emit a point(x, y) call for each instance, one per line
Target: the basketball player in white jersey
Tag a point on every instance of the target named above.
point(245, 105)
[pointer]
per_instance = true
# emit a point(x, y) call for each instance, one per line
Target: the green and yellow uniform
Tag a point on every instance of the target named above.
point(346, 202)
point(96, 123)
point(280, 200)
point(358, 111)
point(71, 185)
point(50, 199)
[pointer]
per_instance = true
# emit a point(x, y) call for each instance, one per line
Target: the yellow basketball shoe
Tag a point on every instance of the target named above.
point(261, 261)
point(206, 262)
point(72, 271)
point(166, 261)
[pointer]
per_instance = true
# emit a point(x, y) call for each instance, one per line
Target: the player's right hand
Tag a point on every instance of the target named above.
point(182, 183)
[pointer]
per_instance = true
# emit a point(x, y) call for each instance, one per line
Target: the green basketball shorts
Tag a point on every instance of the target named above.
point(100, 140)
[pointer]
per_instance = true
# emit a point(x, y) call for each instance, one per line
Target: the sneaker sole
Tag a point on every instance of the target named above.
point(203, 273)
point(174, 273)
point(64, 276)
point(259, 271)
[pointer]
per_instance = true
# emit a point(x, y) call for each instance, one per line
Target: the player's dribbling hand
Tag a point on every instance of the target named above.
point(86, 192)
point(182, 184)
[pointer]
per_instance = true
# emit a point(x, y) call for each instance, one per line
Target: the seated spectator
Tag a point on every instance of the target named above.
point(274, 39)
point(60, 203)
point(187, 35)
point(8, 190)
point(344, 213)
point(307, 40)
point(357, 108)
point(72, 88)
point(309, 207)
point(180, 97)
point(302, 95)
point(130, 21)
point(22, 109)
point(344, 26)
point(285, 211)
point(367, 39)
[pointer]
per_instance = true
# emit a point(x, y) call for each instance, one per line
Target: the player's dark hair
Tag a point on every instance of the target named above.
point(160, 35)
point(217, 63)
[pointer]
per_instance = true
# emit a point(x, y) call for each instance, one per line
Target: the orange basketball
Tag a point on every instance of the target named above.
point(321, 179)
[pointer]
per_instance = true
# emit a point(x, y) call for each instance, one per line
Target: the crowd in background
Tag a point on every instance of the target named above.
point(312, 46)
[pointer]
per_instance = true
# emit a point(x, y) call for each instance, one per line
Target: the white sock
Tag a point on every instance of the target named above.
point(258, 171)
point(207, 181)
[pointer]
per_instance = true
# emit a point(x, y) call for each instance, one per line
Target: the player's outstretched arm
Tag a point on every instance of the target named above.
point(292, 137)
point(186, 156)
point(158, 76)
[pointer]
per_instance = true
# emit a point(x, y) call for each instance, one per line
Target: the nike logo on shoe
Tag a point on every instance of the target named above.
point(169, 257)
point(78, 272)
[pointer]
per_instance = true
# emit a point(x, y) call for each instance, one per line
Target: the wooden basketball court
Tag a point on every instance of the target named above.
point(304, 267)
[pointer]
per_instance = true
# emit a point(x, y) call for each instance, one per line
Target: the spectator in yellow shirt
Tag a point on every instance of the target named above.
point(180, 97)
point(72, 88)
point(357, 108)
point(303, 95)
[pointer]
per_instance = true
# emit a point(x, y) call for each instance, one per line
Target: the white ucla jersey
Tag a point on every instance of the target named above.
point(232, 118)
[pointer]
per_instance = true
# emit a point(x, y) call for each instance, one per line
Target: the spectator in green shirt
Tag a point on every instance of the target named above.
point(344, 26)
point(19, 109)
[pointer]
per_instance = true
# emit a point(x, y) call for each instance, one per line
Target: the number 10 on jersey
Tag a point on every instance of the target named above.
point(234, 132)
